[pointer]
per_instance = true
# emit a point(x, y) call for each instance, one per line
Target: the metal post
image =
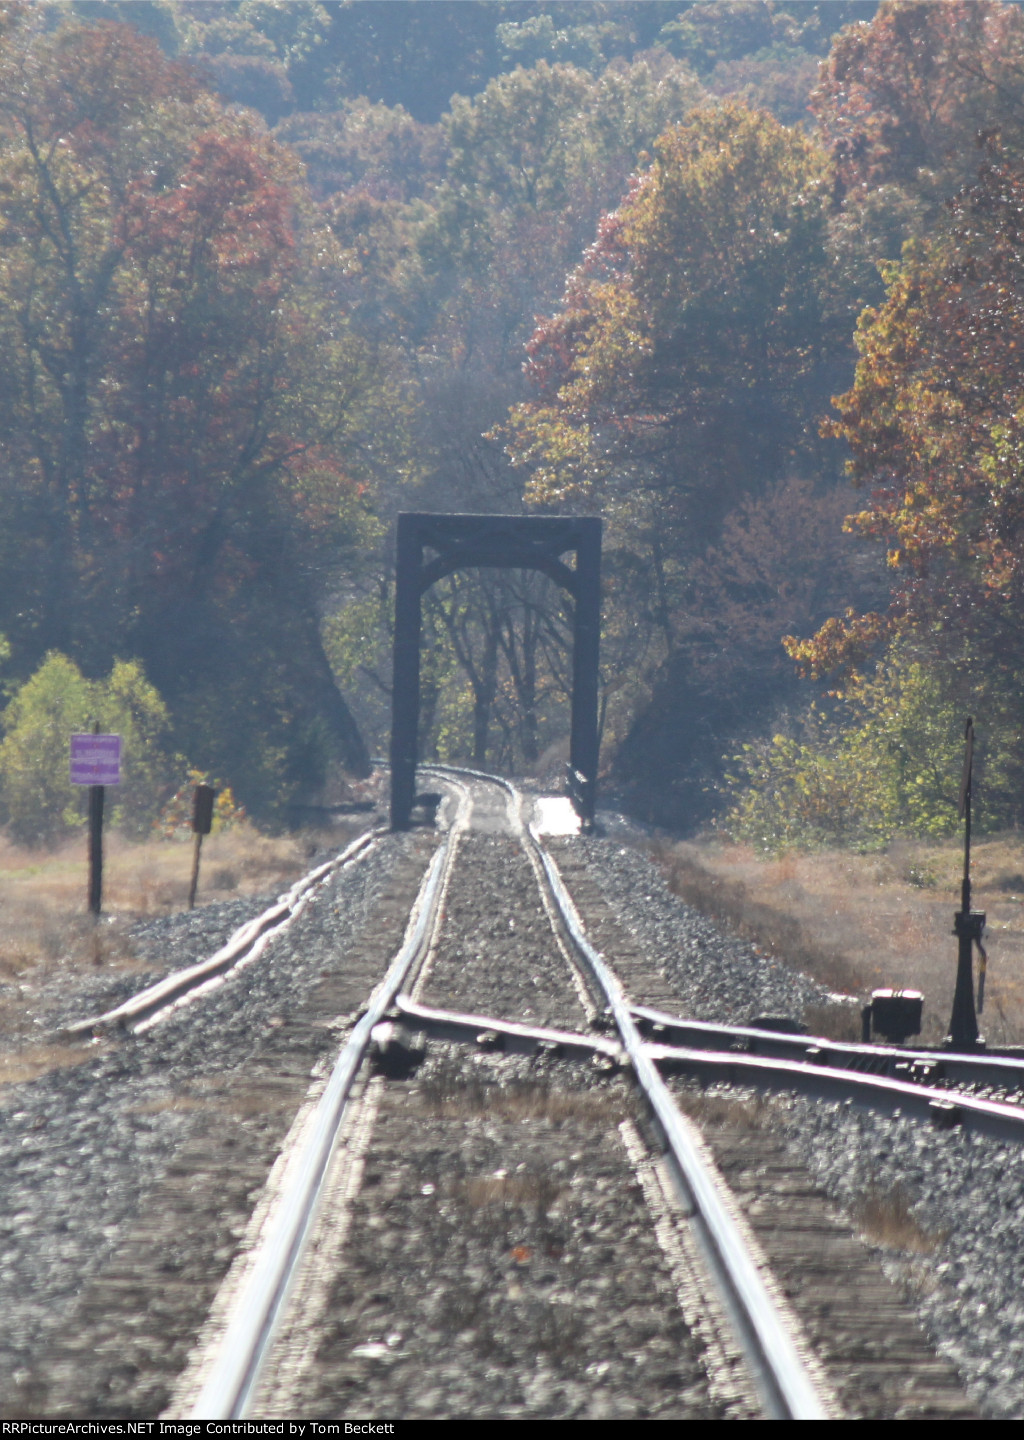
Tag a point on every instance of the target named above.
point(968, 924)
point(584, 739)
point(405, 702)
point(95, 848)
point(203, 798)
point(194, 882)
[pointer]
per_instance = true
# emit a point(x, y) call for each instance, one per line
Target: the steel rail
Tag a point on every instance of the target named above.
point(234, 1368)
point(897, 1061)
point(237, 1363)
point(507, 1035)
point(997, 1118)
point(245, 944)
point(876, 1092)
point(783, 1379)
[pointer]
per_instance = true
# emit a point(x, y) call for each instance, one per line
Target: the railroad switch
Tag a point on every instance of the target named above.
point(968, 927)
point(893, 1015)
point(394, 1054)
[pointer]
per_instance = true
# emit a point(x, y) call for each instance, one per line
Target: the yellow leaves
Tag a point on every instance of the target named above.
point(728, 189)
point(562, 454)
point(883, 758)
point(841, 644)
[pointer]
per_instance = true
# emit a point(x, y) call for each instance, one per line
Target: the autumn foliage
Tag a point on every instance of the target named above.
point(602, 257)
point(934, 420)
point(174, 453)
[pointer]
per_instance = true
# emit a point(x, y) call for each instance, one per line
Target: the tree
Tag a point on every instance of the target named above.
point(901, 100)
point(676, 386)
point(901, 104)
point(372, 150)
point(934, 422)
point(780, 560)
point(690, 347)
point(454, 273)
point(179, 413)
point(37, 800)
point(713, 35)
point(882, 758)
point(702, 295)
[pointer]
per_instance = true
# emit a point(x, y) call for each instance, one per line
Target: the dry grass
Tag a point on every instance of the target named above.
point(884, 1218)
point(859, 922)
point(43, 893)
point(712, 1108)
point(32, 1061)
point(47, 934)
point(449, 1093)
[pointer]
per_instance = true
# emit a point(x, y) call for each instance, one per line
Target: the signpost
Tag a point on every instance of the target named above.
point(96, 762)
point(968, 926)
point(202, 824)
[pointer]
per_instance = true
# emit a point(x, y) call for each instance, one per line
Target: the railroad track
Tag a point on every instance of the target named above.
point(498, 1079)
point(233, 1371)
point(157, 1002)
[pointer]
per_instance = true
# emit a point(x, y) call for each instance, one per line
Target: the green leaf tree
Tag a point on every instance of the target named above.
point(39, 804)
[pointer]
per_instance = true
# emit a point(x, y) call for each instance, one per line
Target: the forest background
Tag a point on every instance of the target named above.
point(272, 272)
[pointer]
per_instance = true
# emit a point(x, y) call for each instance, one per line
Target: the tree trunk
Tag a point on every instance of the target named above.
point(332, 706)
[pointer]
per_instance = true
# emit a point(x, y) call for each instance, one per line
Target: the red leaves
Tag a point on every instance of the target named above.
point(908, 94)
point(225, 208)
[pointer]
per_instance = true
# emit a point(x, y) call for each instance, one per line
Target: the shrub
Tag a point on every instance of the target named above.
point(37, 800)
point(886, 758)
point(175, 819)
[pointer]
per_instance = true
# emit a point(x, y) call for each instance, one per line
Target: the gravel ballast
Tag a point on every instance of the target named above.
point(966, 1191)
point(965, 1271)
point(715, 976)
point(83, 1146)
point(501, 1260)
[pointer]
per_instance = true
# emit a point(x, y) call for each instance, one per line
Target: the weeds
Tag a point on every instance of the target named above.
point(781, 932)
point(713, 1108)
point(46, 932)
point(1009, 884)
point(858, 922)
point(449, 1091)
point(834, 1022)
point(885, 1218)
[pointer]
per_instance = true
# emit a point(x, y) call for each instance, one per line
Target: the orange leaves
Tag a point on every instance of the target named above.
point(842, 644)
point(902, 99)
point(935, 421)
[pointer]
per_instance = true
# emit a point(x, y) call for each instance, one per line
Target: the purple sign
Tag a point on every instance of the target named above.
point(95, 759)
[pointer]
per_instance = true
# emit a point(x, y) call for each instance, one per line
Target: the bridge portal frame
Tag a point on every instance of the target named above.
point(509, 542)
